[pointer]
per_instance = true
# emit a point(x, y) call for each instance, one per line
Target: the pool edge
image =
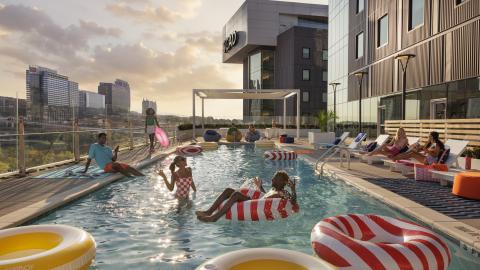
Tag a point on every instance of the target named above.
point(466, 236)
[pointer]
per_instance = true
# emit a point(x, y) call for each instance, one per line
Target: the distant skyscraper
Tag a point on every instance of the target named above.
point(117, 96)
point(91, 103)
point(51, 96)
point(148, 104)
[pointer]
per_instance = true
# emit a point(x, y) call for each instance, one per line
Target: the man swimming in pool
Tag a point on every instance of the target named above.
point(107, 160)
point(231, 196)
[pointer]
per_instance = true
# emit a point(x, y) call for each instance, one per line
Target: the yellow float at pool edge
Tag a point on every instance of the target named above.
point(42, 247)
point(265, 258)
point(208, 145)
point(265, 144)
point(268, 264)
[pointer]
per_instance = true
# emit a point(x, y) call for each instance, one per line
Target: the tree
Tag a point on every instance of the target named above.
point(324, 118)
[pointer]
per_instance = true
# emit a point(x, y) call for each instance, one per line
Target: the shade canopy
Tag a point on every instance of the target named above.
point(245, 93)
point(248, 94)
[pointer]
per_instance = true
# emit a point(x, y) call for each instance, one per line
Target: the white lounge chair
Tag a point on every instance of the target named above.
point(457, 147)
point(342, 138)
point(446, 178)
point(353, 147)
point(381, 140)
point(380, 158)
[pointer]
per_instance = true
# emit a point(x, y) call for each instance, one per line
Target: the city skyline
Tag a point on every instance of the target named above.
point(163, 49)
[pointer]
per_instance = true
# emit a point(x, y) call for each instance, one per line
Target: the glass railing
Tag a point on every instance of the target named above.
point(29, 151)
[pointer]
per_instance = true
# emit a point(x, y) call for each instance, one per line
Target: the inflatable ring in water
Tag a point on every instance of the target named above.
point(265, 258)
point(378, 242)
point(189, 150)
point(258, 209)
point(42, 247)
point(280, 155)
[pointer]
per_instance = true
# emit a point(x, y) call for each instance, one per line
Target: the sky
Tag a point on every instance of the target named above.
point(163, 48)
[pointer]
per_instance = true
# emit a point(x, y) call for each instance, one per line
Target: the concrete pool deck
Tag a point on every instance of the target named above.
point(466, 232)
point(24, 199)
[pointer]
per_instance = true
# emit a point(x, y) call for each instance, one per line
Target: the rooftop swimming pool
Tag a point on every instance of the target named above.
point(137, 225)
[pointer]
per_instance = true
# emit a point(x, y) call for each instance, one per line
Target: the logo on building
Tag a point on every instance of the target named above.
point(230, 42)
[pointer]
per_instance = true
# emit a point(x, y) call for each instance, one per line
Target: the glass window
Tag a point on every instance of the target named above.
point(360, 5)
point(325, 76)
point(306, 53)
point(416, 13)
point(382, 30)
point(359, 45)
point(305, 96)
point(306, 74)
point(325, 55)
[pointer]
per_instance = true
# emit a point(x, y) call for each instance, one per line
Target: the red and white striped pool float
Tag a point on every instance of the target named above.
point(189, 150)
point(280, 155)
point(259, 209)
point(377, 242)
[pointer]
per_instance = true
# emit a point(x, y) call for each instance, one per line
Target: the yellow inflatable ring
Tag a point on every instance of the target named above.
point(265, 258)
point(42, 247)
point(265, 144)
point(208, 145)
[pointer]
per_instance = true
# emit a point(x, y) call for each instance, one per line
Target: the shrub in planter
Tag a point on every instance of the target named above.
point(476, 153)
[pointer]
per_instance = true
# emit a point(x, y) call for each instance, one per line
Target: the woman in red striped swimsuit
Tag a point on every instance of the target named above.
point(231, 196)
point(182, 178)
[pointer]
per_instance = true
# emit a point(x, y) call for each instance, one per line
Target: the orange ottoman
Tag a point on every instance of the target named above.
point(467, 184)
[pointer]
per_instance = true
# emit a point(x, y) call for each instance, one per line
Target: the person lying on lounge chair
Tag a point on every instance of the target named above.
point(394, 147)
point(106, 160)
point(231, 196)
point(428, 154)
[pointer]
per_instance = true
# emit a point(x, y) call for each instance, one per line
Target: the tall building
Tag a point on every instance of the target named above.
point(91, 103)
point(148, 104)
point(117, 96)
point(442, 79)
point(281, 45)
point(51, 97)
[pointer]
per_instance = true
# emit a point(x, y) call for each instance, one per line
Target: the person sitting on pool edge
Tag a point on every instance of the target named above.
point(107, 160)
point(252, 134)
point(231, 196)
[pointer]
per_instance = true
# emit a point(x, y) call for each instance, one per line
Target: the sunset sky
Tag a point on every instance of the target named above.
point(164, 49)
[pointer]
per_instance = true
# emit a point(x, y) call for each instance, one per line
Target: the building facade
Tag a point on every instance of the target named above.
point(91, 103)
point(148, 104)
point(51, 97)
point(442, 79)
point(281, 45)
point(117, 96)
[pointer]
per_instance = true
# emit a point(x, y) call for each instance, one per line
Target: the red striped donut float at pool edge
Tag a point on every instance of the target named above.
point(378, 242)
point(189, 150)
point(259, 209)
point(280, 155)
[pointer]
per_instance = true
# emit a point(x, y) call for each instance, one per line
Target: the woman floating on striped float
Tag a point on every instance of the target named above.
point(378, 242)
point(255, 204)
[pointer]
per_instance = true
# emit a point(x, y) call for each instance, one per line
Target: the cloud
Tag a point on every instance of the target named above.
point(159, 15)
point(36, 27)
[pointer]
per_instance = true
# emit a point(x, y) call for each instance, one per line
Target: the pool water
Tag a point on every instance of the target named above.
point(137, 224)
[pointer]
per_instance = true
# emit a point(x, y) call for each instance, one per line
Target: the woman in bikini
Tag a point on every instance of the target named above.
point(432, 151)
point(394, 147)
point(231, 196)
point(182, 178)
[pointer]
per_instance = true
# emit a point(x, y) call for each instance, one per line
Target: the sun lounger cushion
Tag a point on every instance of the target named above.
point(424, 172)
point(371, 146)
point(359, 137)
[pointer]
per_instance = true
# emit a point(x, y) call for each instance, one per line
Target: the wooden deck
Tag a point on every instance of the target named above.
point(22, 199)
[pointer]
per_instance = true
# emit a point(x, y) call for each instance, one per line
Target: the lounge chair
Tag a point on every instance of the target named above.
point(446, 178)
point(336, 148)
point(340, 140)
point(406, 167)
point(381, 140)
point(380, 158)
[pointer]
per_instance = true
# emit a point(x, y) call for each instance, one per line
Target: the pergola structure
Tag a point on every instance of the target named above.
point(243, 94)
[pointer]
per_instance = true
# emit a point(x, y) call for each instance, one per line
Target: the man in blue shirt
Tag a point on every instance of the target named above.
point(107, 160)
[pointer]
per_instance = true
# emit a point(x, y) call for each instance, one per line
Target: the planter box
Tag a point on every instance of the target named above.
point(321, 137)
point(475, 163)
